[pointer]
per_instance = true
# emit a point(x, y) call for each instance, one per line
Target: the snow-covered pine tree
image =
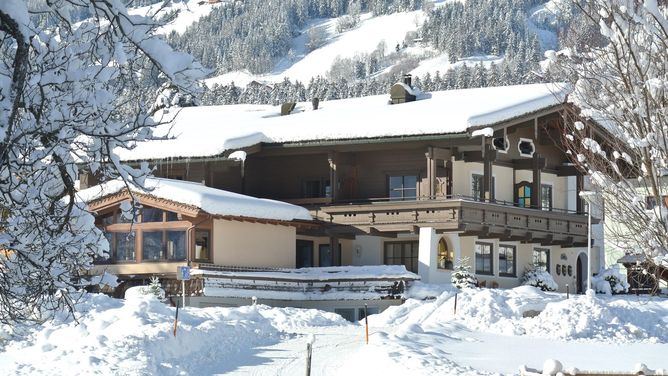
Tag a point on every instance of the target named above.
point(61, 104)
point(462, 276)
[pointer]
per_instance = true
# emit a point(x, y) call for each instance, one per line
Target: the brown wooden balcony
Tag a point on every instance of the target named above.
point(458, 214)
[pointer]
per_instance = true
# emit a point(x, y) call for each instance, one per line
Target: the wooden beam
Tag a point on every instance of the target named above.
point(568, 171)
point(528, 164)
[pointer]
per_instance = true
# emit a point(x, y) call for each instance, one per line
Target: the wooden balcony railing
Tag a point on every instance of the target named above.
point(493, 219)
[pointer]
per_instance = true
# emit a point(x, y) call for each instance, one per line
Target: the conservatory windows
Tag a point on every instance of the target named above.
point(402, 187)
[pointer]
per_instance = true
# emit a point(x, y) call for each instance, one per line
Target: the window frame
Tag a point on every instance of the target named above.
point(514, 261)
point(444, 256)
point(491, 258)
point(402, 188)
point(538, 265)
point(523, 185)
point(414, 249)
point(209, 247)
point(542, 196)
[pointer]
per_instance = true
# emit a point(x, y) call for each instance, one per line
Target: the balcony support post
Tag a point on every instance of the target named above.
point(333, 186)
point(431, 172)
point(426, 252)
point(487, 181)
point(537, 200)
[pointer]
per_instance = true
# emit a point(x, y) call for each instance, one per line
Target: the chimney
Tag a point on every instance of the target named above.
point(408, 80)
point(315, 102)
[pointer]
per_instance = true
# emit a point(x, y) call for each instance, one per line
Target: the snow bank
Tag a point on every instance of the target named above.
point(584, 318)
point(134, 337)
point(210, 200)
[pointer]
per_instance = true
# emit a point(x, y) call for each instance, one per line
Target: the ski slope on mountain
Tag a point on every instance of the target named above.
point(189, 12)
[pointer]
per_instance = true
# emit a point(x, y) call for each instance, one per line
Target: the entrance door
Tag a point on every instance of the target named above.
point(581, 273)
point(327, 257)
point(304, 254)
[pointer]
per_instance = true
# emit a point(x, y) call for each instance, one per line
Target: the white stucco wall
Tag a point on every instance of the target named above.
point(367, 250)
point(253, 244)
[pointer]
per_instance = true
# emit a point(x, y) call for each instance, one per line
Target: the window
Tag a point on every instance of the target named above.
point(313, 188)
point(402, 187)
point(304, 257)
point(546, 197)
point(327, 257)
point(151, 215)
point(477, 186)
point(523, 194)
point(501, 144)
point(346, 313)
point(445, 256)
point(541, 259)
point(506, 260)
point(124, 246)
point(164, 245)
point(483, 258)
point(369, 311)
point(402, 253)
point(526, 147)
point(202, 245)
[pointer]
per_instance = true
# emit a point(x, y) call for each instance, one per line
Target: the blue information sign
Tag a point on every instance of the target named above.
point(183, 273)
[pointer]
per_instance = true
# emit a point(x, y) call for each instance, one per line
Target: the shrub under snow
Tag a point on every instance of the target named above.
point(462, 276)
point(610, 281)
point(539, 278)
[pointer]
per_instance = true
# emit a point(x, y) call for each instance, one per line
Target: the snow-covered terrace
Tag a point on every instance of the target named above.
point(210, 131)
point(325, 283)
point(213, 201)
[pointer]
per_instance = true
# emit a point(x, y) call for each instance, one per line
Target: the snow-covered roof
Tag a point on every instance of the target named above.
point(211, 130)
point(210, 200)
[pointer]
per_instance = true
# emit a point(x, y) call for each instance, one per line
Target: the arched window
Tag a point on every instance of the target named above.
point(523, 194)
point(445, 255)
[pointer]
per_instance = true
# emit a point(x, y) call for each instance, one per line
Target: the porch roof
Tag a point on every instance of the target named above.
point(213, 201)
point(212, 130)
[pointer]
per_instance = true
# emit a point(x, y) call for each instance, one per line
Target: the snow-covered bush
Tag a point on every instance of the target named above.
point(539, 278)
point(462, 276)
point(610, 281)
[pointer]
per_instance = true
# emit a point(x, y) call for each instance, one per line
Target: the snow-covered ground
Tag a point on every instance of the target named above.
point(189, 12)
point(488, 334)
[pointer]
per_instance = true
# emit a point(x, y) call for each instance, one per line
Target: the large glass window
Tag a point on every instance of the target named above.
point(164, 245)
point(445, 256)
point(483, 258)
point(402, 253)
point(152, 245)
point(402, 187)
point(541, 259)
point(202, 246)
point(124, 246)
point(176, 245)
point(546, 197)
point(477, 189)
point(506, 260)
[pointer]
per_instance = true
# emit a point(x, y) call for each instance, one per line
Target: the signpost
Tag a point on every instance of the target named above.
point(183, 274)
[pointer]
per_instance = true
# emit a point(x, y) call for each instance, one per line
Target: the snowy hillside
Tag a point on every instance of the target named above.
point(488, 334)
point(298, 41)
